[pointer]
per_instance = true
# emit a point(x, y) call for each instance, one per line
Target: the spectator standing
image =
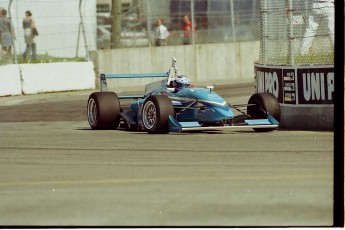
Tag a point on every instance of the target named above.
point(187, 30)
point(1, 51)
point(162, 33)
point(6, 39)
point(30, 32)
point(320, 9)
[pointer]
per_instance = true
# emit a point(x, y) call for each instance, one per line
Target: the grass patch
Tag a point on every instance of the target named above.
point(311, 59)
point(315, 59)
point(40, 59)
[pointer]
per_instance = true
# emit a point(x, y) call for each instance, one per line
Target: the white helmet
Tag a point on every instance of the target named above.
point(181, 82)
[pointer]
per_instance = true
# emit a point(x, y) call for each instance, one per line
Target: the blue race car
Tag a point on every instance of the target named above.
point(174, 105)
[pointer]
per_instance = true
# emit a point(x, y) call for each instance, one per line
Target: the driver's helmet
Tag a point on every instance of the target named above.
point(181, 82)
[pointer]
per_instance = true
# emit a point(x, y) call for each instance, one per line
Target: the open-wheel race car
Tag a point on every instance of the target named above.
point(174, 105)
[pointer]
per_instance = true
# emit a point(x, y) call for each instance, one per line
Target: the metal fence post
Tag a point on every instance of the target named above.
point(148, 23)
point(193, 20)
point(83, 30)
point(232, 20)
point(263, 6)
point(12, 28)
point(291, 33)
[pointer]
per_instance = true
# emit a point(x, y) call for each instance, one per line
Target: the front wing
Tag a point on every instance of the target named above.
point(269, 123)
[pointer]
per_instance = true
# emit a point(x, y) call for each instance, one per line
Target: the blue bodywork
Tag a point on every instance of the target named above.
point(191, 104)
point(215, 108)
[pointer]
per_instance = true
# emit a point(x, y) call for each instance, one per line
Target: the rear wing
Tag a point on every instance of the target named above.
point(170, 76)
point(104, 77)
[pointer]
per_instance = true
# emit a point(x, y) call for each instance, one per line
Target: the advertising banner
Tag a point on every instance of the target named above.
point(316, 85)
point(269, 80)
point(302, 85)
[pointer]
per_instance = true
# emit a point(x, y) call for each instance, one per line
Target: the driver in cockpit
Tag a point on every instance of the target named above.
point(181, 82)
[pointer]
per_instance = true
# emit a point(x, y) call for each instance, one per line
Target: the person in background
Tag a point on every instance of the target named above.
point(187, 30)
point(6, 39)
point(1, 51)
point(320, 9)
point(162, 33)
point(29, 27)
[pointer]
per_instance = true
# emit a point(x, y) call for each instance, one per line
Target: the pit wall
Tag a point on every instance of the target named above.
point(206, 64)
point(305, 94)
point(46, 77)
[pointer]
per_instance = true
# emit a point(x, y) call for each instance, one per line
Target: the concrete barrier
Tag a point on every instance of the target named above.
point(220, 63)
point(53, 77)
point(305, 94)
point(46, 77)
point(10, 83)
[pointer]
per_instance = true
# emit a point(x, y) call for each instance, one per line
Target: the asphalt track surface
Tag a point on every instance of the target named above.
point(56, 171)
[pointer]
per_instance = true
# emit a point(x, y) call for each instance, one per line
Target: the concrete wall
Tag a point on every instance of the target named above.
point(203, 64)
point(320, 117)
point(220, 63)
point(305, 94)
point(10, 83)
point(46, 77)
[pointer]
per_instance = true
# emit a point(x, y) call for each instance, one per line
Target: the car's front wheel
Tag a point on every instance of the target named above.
point(155, 114)
point(261, 104)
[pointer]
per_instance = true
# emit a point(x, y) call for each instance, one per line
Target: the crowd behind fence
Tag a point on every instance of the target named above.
point(280, 25)
point(213, 21)
point(61, 36)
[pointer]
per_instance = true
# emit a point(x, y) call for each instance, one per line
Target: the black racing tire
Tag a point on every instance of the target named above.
point(103, 110)
point(264, 103)
point(155, 114)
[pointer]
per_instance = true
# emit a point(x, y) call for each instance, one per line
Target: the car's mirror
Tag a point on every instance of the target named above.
point(210, 87)
point(171, 90)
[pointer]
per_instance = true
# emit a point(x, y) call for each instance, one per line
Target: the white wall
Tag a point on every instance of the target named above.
point(57, 23)
point(10, 83)
point(221, 63)
point(47, 77)
point(203, 64)
point(53, 77)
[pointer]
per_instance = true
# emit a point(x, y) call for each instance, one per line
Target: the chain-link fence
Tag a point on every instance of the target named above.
point(213, 21)
point(285, 26)
point(66, 30)
point(297, 32)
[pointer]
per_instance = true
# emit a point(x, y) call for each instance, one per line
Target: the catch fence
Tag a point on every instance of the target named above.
point(214, 21)
point(296, 32)
point(69, 29)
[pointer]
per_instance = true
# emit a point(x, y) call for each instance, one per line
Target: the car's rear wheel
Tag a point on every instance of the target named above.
point(103, 110)
point(263, 104)
point(155, 114)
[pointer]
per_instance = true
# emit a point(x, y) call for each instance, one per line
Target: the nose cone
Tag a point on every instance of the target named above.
point(204, 96)
point(216, 113)
point(224, 111)
point(219, 109)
